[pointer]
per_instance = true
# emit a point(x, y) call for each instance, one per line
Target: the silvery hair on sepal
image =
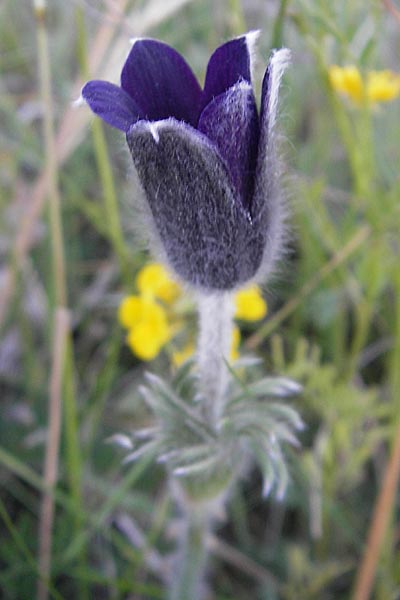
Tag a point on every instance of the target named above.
point(205, 159)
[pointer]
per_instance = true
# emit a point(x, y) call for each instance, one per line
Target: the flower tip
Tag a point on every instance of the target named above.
point(133, 40)
point(146, 126)
point(79, 101)
point(281, 58)
point(252, 38)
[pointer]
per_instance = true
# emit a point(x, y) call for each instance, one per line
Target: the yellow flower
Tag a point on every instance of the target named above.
point(148, 337)
point(250, 305)
point(154, 279)
point(348, 81)
point(147, 324)
point(130, 311)
point(383, 86)
point(378, 86)
point(146, 319)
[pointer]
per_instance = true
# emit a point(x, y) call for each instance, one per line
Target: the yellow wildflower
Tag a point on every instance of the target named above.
point(147, 338)
point(130, 311)
point(154, 279)
point(378, 86)
point(146, 319)
point(348, 81)
point(250, 305)
point(383, 86)
point(147, 324)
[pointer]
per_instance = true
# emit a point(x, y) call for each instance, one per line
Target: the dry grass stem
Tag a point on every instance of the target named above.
point(381, 515)
point(61, 328)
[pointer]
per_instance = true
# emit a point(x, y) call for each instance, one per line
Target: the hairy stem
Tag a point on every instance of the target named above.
point(188, 579)
point(214, 342)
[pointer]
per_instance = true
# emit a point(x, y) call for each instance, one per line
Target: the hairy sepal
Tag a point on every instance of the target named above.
point(197, 216)
point(269, 208)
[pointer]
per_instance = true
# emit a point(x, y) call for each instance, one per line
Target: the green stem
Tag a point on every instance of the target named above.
point(64, 390)
point(237, 18)
point(188, 579)
point(111, 208)
point(363, 313)
point(57, 244)
point(277, 32)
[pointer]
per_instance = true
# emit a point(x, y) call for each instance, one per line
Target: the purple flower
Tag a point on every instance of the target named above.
point(205, 159)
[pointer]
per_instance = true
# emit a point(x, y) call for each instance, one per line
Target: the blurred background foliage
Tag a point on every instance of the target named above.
point(333, 319)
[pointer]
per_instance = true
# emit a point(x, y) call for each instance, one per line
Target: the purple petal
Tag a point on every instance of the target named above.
point(231, 122)
point(268, 208)
point(112, 104)
point(229, 64)
point(198, 224)
point(161, 82)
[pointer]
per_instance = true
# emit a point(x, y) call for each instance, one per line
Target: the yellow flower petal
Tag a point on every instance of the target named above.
point(130, 311)
point(383, 86)
point(348, 81)
point(250, 305)
point(154, 279)
point(147, 323)
point(150, 334)
point(142, 343)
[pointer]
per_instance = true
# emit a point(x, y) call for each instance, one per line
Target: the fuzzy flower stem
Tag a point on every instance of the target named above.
point(214, 343)
point(189, 579)
point(215, 335)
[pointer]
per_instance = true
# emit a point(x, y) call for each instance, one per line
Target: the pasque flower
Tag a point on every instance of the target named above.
point(205, 158)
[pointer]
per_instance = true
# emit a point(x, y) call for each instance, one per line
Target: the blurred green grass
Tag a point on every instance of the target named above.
point(337, 299)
